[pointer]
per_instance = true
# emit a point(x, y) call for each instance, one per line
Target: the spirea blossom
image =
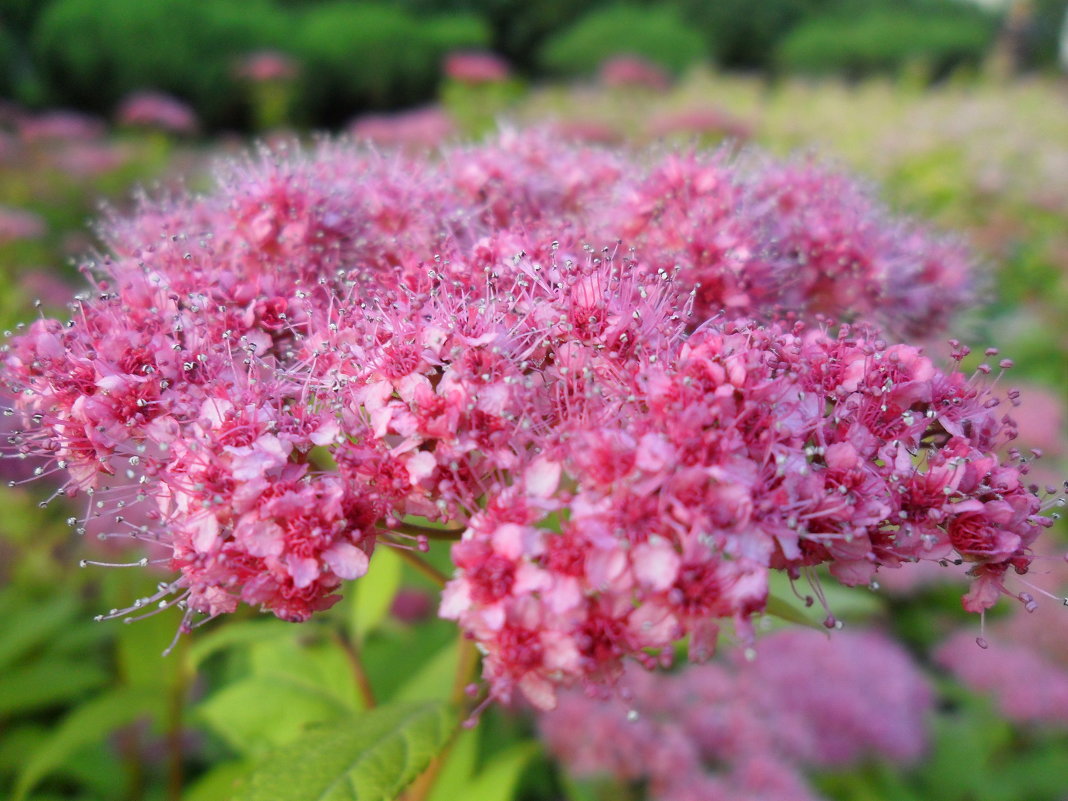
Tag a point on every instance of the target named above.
point(740, 729)
point(603, 373)
point(157, 110)
point(475, 67)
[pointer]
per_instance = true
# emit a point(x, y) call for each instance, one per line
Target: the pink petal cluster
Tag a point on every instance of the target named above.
point(70, 126)
point(629, 437)
point(266, 66)
point(1025, 666)
point(630, 71)
point(476, 67)
point(418, 129)
point(699, 121)
point(16, 224)
point(747, 729)
point(157, 110)
point(748, 448)
point(1029, 686)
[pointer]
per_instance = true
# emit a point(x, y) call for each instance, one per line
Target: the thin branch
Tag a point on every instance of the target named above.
point(359, 672)
point(430, 532)
point(420, 564)
point(466, 666)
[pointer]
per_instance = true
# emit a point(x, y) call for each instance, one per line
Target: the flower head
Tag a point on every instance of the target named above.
point(631, 435)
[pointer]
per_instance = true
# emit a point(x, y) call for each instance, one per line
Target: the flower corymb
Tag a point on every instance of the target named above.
point(629, 386)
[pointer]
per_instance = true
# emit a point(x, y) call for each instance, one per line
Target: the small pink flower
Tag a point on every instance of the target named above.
point(156, 110)
point(418, 129)
point(18, 224)
point(476, 67)
point(633, 71)
point(267, 66)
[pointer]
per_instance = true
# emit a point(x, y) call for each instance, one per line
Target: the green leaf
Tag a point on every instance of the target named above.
point(320, 667)
point(394, 658)
point(784, 610)
point(85, 725)
point(140, 648)
point(433, 681)
point(374, 594)
point(240, 633)
point(36, 625)
point(262, 712)
point(371, 757)
point(851, 602)
point(583, 788)
point(500, 778)
point(219, 783)
point(41, 684)
point(19, 740)
point(458, 768)
point(848, 603)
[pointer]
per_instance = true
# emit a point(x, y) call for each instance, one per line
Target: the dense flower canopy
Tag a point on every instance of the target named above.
point(635, 382)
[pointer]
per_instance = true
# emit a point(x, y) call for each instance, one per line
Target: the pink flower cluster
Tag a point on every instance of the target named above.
point(630, 71)
point(267, 66)
point(1025, 668)
point(286, 370)
point(476, 67)
point(746, 729)
point(157, 110)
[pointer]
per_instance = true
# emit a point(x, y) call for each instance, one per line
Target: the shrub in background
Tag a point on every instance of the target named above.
point(887, 40)
point(519, 27)
point(1043, 45)
point(364, 55)
point(19, 16)
point(657, 34)
point(92, 53)
point(744, 34)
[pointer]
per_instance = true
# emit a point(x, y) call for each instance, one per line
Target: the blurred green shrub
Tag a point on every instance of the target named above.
point(1043, 39)
point(885, 40)
point(744, 34)
point(519, 27)
point(360, 56)
point(657, 34)
point(19, 16)
point(91, 53)
point(9, 61)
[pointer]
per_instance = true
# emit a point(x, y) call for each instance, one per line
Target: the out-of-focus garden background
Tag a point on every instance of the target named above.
point(957, 110)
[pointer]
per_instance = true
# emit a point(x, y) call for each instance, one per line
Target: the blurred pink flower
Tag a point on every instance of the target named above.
point(475, 67)
point(1040, 419)
point(267, 65)
point(420, 128)
point(18, 224)
point(706, 121)
point(412, 606)
point(1028, 686)
point(89, 159)
point(157, 110)
point(747, 730)
point(629, 71)
point(587, 130)
point(60, 125)
point(44, 285)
